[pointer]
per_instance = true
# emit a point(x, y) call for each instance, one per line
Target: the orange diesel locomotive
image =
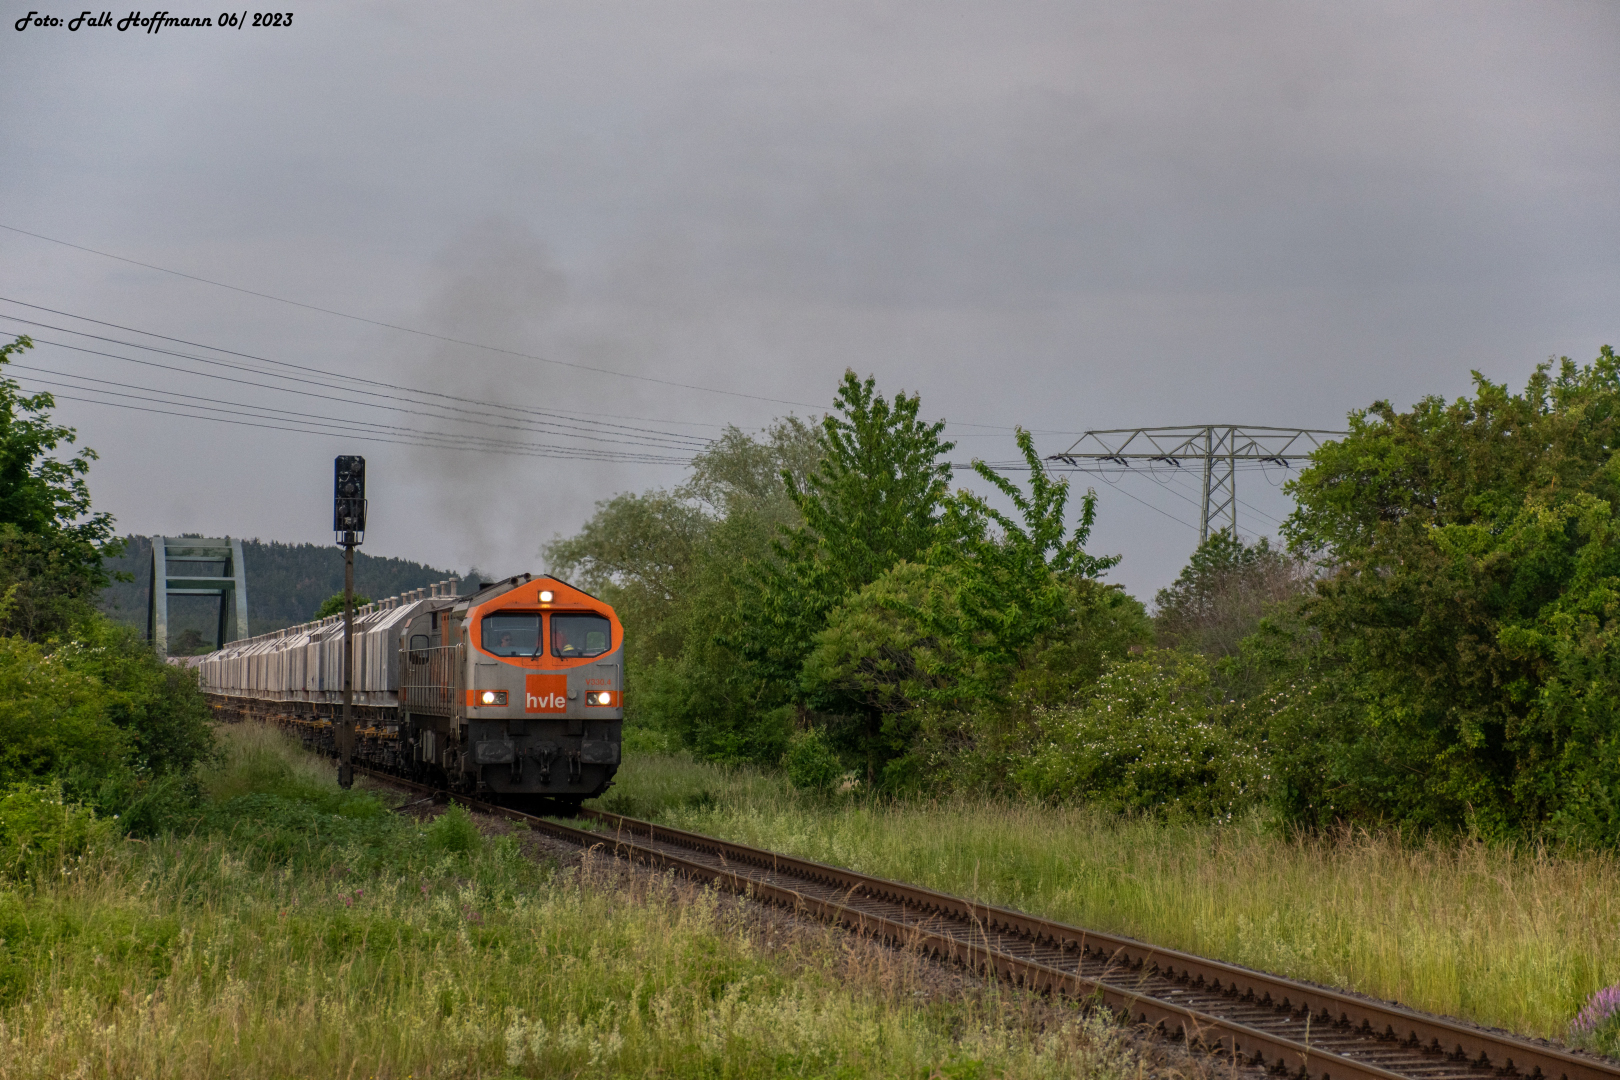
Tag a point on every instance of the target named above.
point(514, 691)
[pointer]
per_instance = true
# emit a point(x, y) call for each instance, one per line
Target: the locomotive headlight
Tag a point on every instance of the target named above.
point(493, 697)
point(601, 697)
point(545, 596)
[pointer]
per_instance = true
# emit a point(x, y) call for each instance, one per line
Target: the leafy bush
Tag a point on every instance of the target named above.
point(875, 655)
point(1466, 639)
point(158, 705)
point(454, 833)
point(82, 702)
point(104, 716)
point(811, 763)
point(1149, 737)
point(711, 706)
point(53, 717)
point(43, 834)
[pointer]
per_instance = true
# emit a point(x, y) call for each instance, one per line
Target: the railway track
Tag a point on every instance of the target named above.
point(1255, 1019)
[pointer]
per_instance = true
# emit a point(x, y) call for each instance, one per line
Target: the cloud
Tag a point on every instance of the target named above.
point(1056, 214)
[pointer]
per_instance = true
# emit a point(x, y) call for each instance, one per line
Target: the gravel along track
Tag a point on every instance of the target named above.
point(1252, 1018)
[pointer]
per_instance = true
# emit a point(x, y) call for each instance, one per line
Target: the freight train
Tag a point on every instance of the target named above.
point(514, 691)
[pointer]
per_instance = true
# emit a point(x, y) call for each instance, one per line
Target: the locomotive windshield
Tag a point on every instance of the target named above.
point(580, 635)
point(511, 635)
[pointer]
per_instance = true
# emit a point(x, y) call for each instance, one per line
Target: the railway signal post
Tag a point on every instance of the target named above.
point(349, 522)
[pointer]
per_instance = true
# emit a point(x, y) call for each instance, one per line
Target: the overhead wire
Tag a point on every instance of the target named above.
point(1246, 505)
point(1171, 486)
point(402, 329)
point(483, 423)
point(271, 418)
point(1110, 475)
point(472, 441)
point(322, 426)
point(560, 419)
point(1155, 509)
point(559, 423)
point(666, 440)
point(286, 420)
point(361, 436)
point(429, 334)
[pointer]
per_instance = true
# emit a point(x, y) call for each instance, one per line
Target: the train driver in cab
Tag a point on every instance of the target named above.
point(561, 641)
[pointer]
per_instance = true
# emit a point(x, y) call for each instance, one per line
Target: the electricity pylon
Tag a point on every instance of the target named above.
point(1218, 447)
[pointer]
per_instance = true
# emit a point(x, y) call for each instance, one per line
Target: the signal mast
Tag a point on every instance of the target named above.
point(349, 522)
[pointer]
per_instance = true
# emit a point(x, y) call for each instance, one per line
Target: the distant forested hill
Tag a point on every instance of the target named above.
point(285, 584)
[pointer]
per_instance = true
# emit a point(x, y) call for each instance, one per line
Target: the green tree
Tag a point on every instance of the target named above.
point(333, 605)
point(671, 562)
point(641, 553)
point(1002, 609)
point(85, 705)
point(1223, 592)
point(1456, 667)
point(51, 544)
point(1014, 578)
point(875, 498)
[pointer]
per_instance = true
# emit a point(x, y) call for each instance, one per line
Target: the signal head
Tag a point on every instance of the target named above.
point(349, 497)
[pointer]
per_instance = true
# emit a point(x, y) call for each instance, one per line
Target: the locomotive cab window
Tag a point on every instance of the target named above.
point(511, 635)
point(580, 635)
point(419, 644)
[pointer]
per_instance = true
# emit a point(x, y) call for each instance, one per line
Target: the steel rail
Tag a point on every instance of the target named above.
point(1258, 1019)
point(1339, 1012)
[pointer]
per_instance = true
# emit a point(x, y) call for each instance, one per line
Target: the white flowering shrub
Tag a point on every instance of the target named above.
point(1152, 735)
point(43, 836)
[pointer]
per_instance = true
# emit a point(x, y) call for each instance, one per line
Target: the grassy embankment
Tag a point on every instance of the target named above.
point(304, 931)
point(1508, 937)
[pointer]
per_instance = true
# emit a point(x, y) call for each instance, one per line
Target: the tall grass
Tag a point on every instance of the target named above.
point(303, 931)
point(1514, 937)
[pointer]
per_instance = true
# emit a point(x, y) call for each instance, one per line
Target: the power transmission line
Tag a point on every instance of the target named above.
point(427, 333)
point(481, 406)
point(1171, 485)
point(584, 433)
point(1150, 506)
point(454, 440)
point(596, 418)
point(403, 329)
point(260, 417)
point(1219, 448)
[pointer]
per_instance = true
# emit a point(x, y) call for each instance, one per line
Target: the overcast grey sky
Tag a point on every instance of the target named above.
point(1065, 216)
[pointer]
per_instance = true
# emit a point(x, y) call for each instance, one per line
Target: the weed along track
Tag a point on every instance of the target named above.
point(1285, 1026)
